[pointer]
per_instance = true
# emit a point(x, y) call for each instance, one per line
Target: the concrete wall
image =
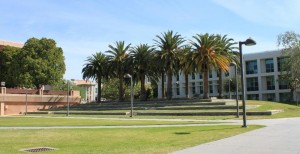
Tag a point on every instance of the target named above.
point(11, 104)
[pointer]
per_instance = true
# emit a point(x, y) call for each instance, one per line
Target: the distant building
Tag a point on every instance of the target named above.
point(261, 80)
point(91, 89)
point(9, 43)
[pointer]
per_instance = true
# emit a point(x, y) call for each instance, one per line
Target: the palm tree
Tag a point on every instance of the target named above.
point(159, 66)
point(96, 67)
point(187, 66)
point(225, 48)
point(169, 43)
point(118, 58)
point(142, 57)
point(205, 57)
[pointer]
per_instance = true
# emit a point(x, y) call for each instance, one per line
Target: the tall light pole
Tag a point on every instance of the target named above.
point(248, 42)
point(131, 93)
point(236, 91)
point(229, 88)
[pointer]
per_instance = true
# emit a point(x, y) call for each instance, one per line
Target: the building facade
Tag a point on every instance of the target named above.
point(261, 72)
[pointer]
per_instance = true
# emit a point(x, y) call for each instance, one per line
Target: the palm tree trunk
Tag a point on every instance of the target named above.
point(186, 78)
point(99, 89)
point(163, 85)
point(220, 88)
point(143, 96)
point(205, 84)
point(169, 85)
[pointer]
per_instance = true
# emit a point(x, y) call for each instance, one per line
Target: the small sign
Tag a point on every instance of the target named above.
point(2, 84)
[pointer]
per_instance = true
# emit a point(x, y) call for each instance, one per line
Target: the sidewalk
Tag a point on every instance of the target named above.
point(281, 136)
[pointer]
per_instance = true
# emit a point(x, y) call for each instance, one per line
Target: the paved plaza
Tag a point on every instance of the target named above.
point(280, 136)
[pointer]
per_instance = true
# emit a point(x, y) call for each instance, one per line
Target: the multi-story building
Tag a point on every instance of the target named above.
point(261, 79)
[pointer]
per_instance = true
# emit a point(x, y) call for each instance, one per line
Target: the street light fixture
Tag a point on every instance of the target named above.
point(248, 42)
point(131, 93)
point(236, 90)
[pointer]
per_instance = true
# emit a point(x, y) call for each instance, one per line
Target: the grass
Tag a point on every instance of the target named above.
point(52, 121)
point(94, 141)
point(288, 109)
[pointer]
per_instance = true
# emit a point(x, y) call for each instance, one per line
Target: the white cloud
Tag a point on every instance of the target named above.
point(266, 12)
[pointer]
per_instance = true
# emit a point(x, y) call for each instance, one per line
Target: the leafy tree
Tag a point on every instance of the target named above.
point(142, 57)
point(39, 62)
point(290, 72)
point(10, 66)
point(205, 56)
point(118, 58)
point(225, 48)
point(96, 67)
point(169, 43)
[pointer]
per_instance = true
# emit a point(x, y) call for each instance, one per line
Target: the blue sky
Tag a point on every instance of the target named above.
point(84, 27)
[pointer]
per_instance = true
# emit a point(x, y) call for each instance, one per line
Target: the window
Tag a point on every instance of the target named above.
point(251, 67)
point(269, 65)
point(211, 89)
point(252, 84)
point(271, 97)
point(253, 97)
point(200, 76)
point(201, 87)
point(270, 83)
point(218, 73)
point(283, 84)
point(284, 97)
point(193, 76)
point(210, 73)
point(226, 74)
point(280, 61)
point(177, 78)
point(193, 88)
point(177, 89)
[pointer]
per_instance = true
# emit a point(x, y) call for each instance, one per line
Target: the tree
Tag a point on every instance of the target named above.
point(225, 48)
point(142, 57)
point(290, 72)
point(39, 62)
point(187, 66)
point(10, 66)
point(169, 43)
point(118, 58)
point(205, 57)
point(96, 67)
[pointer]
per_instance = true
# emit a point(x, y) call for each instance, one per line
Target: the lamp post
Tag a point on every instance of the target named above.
point(229, 88)
point(68, 92)
point(236, 91)
point(131, 93)
point(248, 42)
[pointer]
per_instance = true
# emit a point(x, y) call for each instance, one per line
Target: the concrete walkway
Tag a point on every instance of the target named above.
point(281, 136)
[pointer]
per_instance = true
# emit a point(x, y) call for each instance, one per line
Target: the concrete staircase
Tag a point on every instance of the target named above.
point(214, 107)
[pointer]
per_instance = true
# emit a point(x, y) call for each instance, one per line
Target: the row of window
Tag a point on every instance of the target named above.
point(251, 85)
point(251, 66)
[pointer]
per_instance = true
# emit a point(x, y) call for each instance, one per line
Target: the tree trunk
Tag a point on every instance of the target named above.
point(186, 78)
point(220, 82)
point(169, 85)
point(163, 85)
point(143, 96)
point(121, 89)
point(205, 84)
point(99, 89)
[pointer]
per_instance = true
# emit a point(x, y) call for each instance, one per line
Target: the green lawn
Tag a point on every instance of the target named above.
point(59, 121)
point(95, 141)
